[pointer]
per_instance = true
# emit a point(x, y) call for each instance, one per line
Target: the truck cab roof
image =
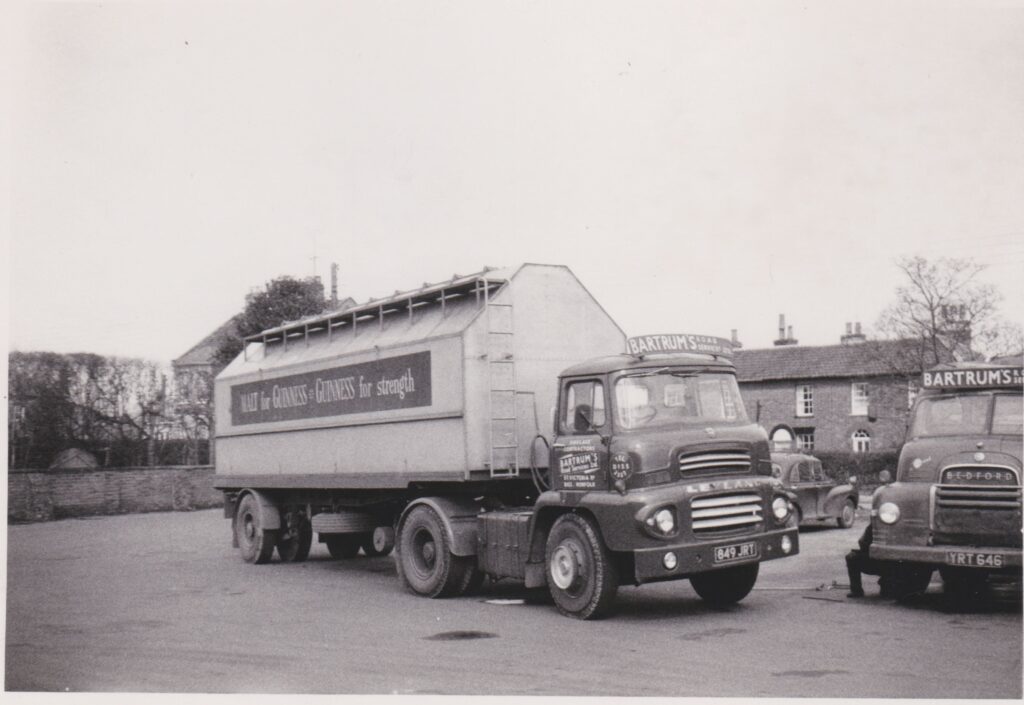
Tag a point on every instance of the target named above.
point(622, 362)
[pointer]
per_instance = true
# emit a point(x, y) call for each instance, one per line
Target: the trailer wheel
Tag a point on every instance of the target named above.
point(425, 561)
point(581, 574)
point(725, 586)
point(295, 539)
point(370, 549)
point(343, 546)
point(255, 543)
point(848, 515)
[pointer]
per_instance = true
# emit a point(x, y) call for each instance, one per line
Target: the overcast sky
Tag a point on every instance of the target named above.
point(700, 166)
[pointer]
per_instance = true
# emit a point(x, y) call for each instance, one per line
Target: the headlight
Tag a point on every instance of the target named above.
point(665, 521)
point(780, 508)
point(889, 513)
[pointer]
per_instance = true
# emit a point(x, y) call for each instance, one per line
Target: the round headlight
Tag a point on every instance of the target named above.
point(665, 521)
point(889, 513)
point(780, 508)
point(669, 561)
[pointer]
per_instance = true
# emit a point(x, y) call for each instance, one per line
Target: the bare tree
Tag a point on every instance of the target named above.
point(943, 311)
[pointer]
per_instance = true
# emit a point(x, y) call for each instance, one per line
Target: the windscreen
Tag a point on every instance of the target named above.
point(961, 415)
point(666, 398)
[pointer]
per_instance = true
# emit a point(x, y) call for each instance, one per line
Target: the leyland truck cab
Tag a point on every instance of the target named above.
point(658, 474)
point(956, 503)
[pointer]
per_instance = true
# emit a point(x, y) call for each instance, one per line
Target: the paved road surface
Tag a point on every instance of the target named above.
point(161, 602)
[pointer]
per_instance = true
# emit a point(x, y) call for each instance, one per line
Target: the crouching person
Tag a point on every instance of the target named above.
point(858, 561)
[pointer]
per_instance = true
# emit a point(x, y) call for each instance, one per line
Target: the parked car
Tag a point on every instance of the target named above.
point(818, 497)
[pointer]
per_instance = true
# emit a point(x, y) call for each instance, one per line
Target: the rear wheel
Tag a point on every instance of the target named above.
point(425, 561)
point(581, 574)
point(295, 538)
point(847, 516)
point(725, 586)
point(255, 543)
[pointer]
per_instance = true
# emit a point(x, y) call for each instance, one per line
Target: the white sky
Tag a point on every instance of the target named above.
point(700, 166)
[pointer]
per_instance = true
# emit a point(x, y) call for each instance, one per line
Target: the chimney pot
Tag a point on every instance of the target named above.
point(858, 327)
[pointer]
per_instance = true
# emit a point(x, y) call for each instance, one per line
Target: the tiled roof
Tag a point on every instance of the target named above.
point(203, 352)
point(795, 362)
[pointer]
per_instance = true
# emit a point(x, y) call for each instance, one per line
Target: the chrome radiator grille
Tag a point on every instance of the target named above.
point(727, 461)
point(725, 512)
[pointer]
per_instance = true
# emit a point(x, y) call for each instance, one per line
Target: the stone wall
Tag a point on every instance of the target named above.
point(43, 495)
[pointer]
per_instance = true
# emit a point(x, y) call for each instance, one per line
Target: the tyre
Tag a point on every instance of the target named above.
point(581, 574)
point(295, 538)
point(343, 546)
point(369, 549)
point(725, 586)
point(255, 543)
point(963, 590)
point(905, 581)
point(425, 561)
point(848, 515)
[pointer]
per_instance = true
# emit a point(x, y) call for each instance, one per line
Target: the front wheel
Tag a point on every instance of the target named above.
point(904, 581)
point(847, 516)
point(255, 543)
point(582, 576)
point(725, 586)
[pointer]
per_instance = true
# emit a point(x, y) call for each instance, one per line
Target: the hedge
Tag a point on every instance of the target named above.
point(841, 464)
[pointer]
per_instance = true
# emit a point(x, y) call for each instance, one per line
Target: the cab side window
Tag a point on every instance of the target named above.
point(584, 407)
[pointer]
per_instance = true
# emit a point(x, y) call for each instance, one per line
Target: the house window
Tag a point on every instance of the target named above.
point(861, 441)
point(859, 399)
point(804, 439)
point(804, 400)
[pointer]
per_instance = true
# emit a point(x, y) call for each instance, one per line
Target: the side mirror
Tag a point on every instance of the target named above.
point(885, 477)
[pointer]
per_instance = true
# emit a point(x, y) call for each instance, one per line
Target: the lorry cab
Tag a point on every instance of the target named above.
point(956, 502)
point(656, 473)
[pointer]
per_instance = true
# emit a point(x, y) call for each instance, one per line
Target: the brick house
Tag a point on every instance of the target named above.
point(854, 396)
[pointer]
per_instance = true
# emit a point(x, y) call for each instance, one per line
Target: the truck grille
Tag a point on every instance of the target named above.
point(980, 516)
point(724, 512)
point(714, 462)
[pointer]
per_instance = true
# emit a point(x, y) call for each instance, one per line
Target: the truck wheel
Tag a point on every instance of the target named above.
point(343, 546)
point(370, 550)
point(848, 514)
point(725, 586)
point(294, 541)
point(962, 590)
point(425, 561)
point(581, 574)
point(256, 544)
point(906, 581)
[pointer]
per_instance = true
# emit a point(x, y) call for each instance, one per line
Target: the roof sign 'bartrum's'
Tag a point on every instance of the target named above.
point(976, 378)
point(678, 343)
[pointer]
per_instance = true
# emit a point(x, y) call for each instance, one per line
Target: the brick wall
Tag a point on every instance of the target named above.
point(832, 422)
point(43, 495)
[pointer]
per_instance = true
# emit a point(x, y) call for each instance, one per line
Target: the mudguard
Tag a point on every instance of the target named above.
point(458, 515)
point(837, 497)
point(269, 516)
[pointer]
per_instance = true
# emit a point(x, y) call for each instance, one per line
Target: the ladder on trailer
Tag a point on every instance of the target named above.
point(501, 375)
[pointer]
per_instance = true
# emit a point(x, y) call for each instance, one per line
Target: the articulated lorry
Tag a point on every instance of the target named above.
point(956, 503)
point(496, 425)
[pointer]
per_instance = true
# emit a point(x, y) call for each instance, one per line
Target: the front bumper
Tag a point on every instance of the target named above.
point(959, 556)
point(700, 557)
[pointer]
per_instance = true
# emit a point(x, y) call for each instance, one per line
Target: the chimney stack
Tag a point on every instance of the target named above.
point(334, 284)
point(785, 336)
point(853, 335)
point(736, 344)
